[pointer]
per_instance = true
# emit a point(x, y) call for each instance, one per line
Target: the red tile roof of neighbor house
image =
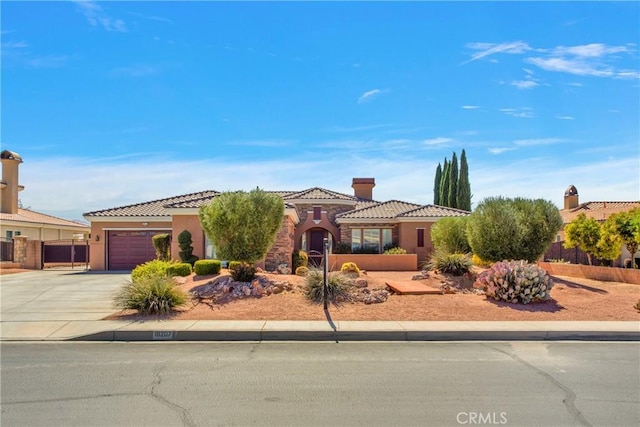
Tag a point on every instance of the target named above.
point(37, 218)
point(154, 207)
point(597, 210)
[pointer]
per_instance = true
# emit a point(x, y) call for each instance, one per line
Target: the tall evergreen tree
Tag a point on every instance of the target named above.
point(453, 182)
point(444, 188)
point(436, 185)
point(464, 187)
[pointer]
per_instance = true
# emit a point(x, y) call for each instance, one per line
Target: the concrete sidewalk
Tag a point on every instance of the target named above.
point(258, 330)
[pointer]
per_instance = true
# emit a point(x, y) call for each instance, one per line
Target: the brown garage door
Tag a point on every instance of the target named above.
point(130, 248)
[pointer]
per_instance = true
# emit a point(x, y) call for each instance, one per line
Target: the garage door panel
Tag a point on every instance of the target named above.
point(127, 249)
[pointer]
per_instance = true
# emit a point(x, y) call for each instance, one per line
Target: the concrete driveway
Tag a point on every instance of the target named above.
point(54, 295)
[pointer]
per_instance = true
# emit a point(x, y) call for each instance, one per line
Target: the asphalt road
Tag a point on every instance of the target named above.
point(325, 384)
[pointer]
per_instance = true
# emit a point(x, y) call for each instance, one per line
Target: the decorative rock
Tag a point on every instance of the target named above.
point(361, 283)
point(246, 290)
point(276, 290)
point(258, 290)
point(284, 269)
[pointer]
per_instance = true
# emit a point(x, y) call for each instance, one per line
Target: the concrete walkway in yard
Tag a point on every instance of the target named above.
point(68, 305)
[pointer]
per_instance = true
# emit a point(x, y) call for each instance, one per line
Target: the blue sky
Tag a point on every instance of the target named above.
point(112, 103)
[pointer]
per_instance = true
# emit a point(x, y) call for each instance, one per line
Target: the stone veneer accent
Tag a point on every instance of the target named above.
point(332, 211)
point(282, 250)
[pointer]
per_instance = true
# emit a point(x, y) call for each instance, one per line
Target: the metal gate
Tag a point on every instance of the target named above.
point(65, 253)
point(6, 249)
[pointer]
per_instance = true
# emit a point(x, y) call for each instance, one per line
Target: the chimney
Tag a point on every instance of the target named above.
point(363, 187)
point(9, 185)
point(571, 198)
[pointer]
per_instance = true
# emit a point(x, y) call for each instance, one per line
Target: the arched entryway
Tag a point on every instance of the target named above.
point(312, 242)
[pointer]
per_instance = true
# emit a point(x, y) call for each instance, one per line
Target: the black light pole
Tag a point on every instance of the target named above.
point(326, 273)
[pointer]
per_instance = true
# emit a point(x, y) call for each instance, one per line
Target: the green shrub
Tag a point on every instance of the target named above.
point(243, 273)
point(450, 235)
point(390, 246)
point(342, 248)
point(206, 267)
point(233, 265)
point(162, 245)
point(302, 271)
point(181, 269)
point(154, 268)
point(518, 228)
point(395, 251)
point(186, 248)
point(456, 264)
point(151, 295)
point(300, 259)
point(339, 285)
point(350, 267)
point(516, 281)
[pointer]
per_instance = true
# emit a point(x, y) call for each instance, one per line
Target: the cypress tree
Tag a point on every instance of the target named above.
point(464, 187)
point(444, 187)
point(436, 185)
point(453, 182)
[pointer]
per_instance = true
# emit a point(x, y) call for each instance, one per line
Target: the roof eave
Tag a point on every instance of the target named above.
point(129, 218)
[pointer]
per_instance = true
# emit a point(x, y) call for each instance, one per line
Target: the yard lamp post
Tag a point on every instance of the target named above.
point(326, 273)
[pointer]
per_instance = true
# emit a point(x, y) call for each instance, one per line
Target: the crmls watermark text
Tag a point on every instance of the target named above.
point(481, 418)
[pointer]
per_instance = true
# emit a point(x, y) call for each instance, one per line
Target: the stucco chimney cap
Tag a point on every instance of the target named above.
point(364, 181)
point(571, 191)
point(10, 155)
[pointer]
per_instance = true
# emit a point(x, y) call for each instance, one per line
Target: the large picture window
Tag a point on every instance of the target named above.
point(370, 240)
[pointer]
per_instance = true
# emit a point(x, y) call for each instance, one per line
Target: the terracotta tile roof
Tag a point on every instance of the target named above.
point(155, 207)
point(433, 211)
point(597, 210)
point(385, 210)
point(32, 217)
point(318, 193)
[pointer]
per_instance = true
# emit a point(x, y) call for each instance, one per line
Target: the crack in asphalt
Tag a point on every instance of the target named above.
point(184, 413)
point(72, 399)
point(569, 400)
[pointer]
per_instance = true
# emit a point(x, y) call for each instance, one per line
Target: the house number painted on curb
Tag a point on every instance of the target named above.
point(162, 335)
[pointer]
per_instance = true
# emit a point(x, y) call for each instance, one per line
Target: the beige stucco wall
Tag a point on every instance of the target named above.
point(190, 223)
point(42, 233)
point(97, 250)
point(408, 239)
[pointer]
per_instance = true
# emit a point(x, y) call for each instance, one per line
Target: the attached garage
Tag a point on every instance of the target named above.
point(127, 249)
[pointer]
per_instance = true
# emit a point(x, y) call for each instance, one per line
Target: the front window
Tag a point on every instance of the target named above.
point(209, 249)
point(370, 240)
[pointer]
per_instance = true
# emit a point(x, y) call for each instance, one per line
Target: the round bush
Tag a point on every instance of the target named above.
point(395, 251)
point(152, 268)
point(350, 267)
point(516, 282)
point(206, 267)
point(450, 235)
point(179, 269)
point(302, 271)
point(243, 273)
point(480, 262)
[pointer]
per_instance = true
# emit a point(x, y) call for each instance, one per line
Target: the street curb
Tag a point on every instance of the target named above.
point(339, 331)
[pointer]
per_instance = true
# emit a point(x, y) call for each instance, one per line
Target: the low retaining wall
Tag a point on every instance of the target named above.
point(376, 262)
point(606, 274)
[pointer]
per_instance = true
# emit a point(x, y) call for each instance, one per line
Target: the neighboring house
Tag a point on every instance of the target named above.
point(15, 221)
point(122, 235)
point(600, 211)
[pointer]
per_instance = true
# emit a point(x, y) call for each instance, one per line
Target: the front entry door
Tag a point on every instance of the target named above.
point(316, 247)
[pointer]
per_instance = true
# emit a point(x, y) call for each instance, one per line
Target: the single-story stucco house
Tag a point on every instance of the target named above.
point(121, 236)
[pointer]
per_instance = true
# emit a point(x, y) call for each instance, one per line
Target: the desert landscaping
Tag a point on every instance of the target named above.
point(571, 299)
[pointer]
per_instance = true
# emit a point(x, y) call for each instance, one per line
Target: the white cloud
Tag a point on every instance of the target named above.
point(572, 66)
point(521, 113)
point(593, 50)
point(470, 107)
point(437, 141)
point(524, 84)
point(500, 150)
point(15, 45)
point(96, 16)
point(370, 95)
point(538, 141)
point(487, 49)
point(565, 117)
point(47, 61)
